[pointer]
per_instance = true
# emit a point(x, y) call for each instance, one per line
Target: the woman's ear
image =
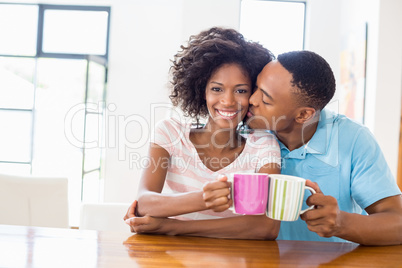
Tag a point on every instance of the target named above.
point(305, 114)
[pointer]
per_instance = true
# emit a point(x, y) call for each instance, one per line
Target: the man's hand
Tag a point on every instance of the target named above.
point(325, 219)
point(216, 195)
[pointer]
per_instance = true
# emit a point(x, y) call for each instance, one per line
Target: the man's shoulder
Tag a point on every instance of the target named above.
point(351, 134)
point(342, 122)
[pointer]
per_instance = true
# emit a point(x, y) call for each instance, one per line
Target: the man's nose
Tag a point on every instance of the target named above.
point(253, 99)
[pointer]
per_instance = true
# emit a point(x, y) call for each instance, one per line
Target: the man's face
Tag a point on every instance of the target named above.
point(273, 105)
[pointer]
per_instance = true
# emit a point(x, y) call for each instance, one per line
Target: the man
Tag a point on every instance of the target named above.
point(340, 158)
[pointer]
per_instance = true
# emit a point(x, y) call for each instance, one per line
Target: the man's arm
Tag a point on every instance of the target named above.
point(383, 225)
point(242, 227)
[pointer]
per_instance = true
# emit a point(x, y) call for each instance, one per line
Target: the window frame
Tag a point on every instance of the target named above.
point(41, 17)
point(100, 59)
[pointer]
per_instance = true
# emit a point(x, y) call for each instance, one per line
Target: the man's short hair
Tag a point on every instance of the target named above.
point(313, 79)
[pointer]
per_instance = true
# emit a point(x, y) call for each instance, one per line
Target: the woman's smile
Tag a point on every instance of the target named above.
point(227, 114)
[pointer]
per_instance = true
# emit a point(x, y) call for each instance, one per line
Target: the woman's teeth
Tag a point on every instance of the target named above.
point(227, 114)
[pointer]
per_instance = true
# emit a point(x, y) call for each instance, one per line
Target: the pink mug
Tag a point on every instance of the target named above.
point(249, 192)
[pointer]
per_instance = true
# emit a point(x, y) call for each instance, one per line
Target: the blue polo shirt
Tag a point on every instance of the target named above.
point(346, 162)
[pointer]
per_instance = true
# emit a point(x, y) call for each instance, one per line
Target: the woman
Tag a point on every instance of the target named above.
point(213, 77)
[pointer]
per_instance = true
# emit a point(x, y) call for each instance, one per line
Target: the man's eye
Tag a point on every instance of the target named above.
point(265, 102)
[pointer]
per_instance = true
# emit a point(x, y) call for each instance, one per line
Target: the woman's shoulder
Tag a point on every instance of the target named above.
point(260, 136)
point(169, 132)
point(261, 139)
point(171, 124)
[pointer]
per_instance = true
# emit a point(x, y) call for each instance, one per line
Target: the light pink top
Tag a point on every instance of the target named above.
point(186, 171)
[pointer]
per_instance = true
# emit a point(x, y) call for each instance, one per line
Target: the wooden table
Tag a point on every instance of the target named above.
point(50, 247)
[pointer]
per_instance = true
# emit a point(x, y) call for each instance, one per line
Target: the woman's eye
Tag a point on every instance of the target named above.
point(242, 91)
point(217, 89)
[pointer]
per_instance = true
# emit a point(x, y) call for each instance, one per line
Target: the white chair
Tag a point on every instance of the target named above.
point(104, 217)
point(34, 201)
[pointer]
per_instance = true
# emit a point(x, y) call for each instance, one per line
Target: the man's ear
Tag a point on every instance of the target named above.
point(305, 114)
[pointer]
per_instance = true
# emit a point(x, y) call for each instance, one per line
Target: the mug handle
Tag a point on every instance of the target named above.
point(311, 207)
point(231, 195)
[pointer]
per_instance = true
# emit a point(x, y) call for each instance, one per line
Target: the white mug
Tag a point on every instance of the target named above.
point(285, 197)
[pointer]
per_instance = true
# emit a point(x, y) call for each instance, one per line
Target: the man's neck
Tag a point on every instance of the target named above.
point(300, 135)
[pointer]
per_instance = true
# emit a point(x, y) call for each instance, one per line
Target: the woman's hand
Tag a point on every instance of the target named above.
point(216, 194)
point(131, 214)
point(147, 225)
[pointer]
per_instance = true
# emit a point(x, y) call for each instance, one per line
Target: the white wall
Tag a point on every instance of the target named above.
point(144, 36)
point(323, 31)
point(388, 85)
point(384, 69)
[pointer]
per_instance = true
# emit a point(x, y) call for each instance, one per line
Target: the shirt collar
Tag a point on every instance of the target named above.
point(318, 144)
point(320, 140)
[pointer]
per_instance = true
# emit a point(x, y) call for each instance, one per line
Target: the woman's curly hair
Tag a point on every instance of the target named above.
point(194, 64)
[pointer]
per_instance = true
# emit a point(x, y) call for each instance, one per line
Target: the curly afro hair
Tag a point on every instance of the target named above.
point(313, 79)
point(194, 64)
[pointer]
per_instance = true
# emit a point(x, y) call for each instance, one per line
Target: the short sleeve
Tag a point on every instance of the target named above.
point(167, 134)
point(371, 178)
point(266, 147)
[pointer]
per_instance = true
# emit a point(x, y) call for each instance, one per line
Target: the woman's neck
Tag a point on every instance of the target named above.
point(217, 148)
point(217, 138)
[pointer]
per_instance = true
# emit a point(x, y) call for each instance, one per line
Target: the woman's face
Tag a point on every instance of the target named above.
point(227, 94)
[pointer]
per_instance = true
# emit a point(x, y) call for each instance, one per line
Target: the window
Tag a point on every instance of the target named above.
point(278, 25)
point(53, 78)
point(85, 34)
point(24, 43)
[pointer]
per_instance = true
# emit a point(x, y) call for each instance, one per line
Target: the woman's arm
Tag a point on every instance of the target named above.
point(242, 227)
point(151, 201)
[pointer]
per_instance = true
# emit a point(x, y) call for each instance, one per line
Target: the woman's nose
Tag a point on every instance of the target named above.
point(228, 99)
